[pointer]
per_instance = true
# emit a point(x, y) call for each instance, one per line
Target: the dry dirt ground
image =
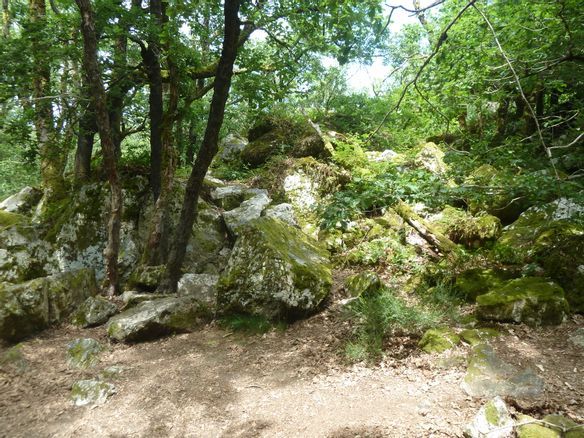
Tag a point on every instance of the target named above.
point(294, 383)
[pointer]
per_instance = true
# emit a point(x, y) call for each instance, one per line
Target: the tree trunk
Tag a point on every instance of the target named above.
point(208, 147)
point(5, 19)
point(99, 101)
point(51, 158)
point(85, 137)
point(191, 144)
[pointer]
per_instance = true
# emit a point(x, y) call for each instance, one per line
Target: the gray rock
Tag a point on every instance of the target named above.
point(431, 158)
point(94, 311)
point(229, 197)
point(13, 359)
point(151, 319)
point(131, 297)
point(577, 338)
point(29, 307)
point(231, 147)
point(249, 210)
point(275, 271)
point(22, 202)
point(493, 421)
point(283, 212)
point(91, 392)
point(488, 376)
point(202, 287)
point(83, 353)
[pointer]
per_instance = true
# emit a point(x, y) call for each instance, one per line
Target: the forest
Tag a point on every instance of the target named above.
point(279, 218)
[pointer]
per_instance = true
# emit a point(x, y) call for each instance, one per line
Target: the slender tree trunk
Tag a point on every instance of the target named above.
point(5, 19)
point(85, 138)
point(191, 144)
point(99, 99)
point(208, 147)
point(118, 90)
point(52, 162)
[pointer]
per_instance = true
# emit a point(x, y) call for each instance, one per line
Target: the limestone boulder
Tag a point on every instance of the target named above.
point(275, 271)
point(201, 287)
point(22, 202)
point(91, 392)
point(231, 146)
point(531, 300)
point(155, 318)
point(30, 307)
point(83, 353)
point(94, 311)
point(249, 210)
point(493, 420)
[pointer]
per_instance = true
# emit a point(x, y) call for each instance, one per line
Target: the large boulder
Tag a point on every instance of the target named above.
point(488, 375)
point(231, 147)
point(201, 287)
point(23, 253)
point(551, 236)
point(155, 318)
point(275, 271)
point(531, 300)
point(249, 210)
point(30, 307)
point(22, 202)
point(478, 281)
point(94, 311)
point(431, 158)
point(462, 227)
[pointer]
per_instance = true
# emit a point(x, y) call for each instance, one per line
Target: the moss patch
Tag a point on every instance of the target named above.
point(438, 340)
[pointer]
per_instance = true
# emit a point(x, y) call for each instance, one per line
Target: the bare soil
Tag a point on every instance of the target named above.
point(292, 383)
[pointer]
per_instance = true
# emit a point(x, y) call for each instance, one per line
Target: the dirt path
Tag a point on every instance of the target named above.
point(283, 384)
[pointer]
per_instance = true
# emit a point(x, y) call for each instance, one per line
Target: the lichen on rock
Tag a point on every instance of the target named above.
point(274, 271)
point(438, 340)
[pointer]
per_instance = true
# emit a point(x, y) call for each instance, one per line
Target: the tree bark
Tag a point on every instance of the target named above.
point(5, 19)
point(208, 146)
point(99, 101)
point(52, 162)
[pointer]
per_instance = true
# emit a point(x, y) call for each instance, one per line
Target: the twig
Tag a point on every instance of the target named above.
point(441, 39)
point(520, 88)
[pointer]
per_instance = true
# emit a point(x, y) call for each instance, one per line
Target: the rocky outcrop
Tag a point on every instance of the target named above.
point(30, 307)
point(201, 287)
point(530, 300)
point(22, 202)
point(274, 271)
point(249, 210)
point(155, 318)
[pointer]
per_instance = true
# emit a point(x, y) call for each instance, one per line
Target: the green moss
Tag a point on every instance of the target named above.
point(475, 282)
point(477, 336)
point(533, 300)
point(9, 219)
point(83, 353)
point(557, 426)
point(438, 340)
point(492, 414)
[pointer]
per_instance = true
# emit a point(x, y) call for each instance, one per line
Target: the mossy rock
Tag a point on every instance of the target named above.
point(145, 278)
point(14, 359)
point(462, 227)
point(83, 353)
point(478, 335)
point(94, 311)
point(30, 307)
point(363, 284)
point(475, 282)
point(23, 201)
point(275, 271)
point(431, 158)
point(439, 340)
point(91, 392)
point(257, 152)
point(531, 300)
point(157, 318)
point(9, 219)
point(552, 426)
point(493, 420)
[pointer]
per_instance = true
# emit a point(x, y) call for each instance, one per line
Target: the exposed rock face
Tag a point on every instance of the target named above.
point(274, 271)
point(439, 340)
point(283, 212)
point(488, 376)
point(91, 392)
point(202, 287)
point(23, 254)
point(531, 300)
point(22, 202)
point(94, 311)
point(431, 158)
point(249, 210)
point(493, 420)
point(29, 307)
point(231, 147)
point(83, 353)
point(151, 319)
